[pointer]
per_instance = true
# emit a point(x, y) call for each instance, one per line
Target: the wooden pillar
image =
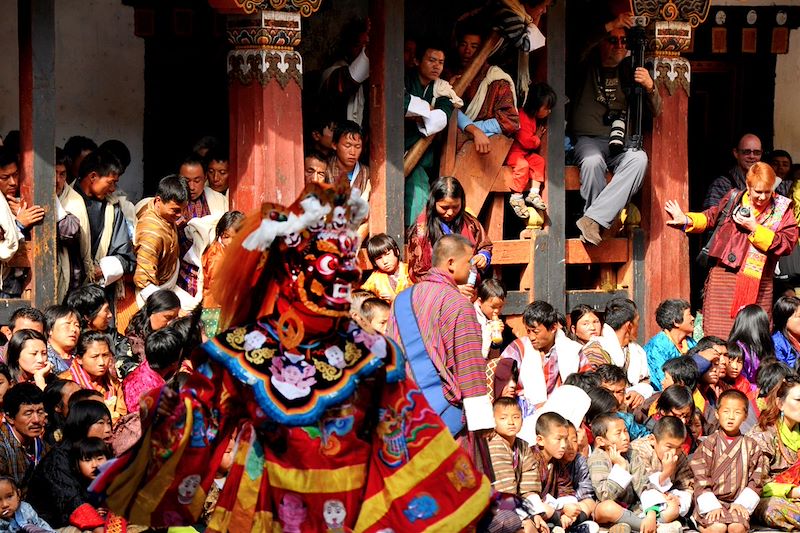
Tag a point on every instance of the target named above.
point(37, 138)
point(549, 273)
point(667, 249)
point(386, 118)
point(264, 95)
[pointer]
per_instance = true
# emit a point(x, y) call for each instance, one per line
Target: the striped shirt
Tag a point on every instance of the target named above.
point(618, 487)
point(514, 467)
point(451, 334)
point(523, 470)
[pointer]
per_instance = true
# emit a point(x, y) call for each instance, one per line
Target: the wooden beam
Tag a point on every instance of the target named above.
point(511, 252)
point(609, 251)
point(386, 119)
point(550, 273)
point(37, 137)
point(572, 178)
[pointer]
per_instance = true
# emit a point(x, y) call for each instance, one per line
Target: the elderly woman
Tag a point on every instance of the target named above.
point(760, 227)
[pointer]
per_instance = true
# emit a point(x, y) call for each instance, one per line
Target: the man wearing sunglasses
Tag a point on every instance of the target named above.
point(747, 153)
point(600, 104)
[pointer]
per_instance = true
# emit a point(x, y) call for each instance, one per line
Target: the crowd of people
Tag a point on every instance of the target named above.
point(203, 368)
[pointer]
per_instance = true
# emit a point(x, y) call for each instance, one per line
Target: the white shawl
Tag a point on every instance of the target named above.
point(638, 371)
point(531, 374)
point(492, 75)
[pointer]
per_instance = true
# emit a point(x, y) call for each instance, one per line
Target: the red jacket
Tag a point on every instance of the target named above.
point(732, 241)
point(525, 140)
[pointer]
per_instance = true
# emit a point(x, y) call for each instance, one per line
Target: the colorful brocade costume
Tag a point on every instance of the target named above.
point(330, 434)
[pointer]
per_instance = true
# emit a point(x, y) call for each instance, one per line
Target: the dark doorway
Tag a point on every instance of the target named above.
point(186, 86)
point(731, 94)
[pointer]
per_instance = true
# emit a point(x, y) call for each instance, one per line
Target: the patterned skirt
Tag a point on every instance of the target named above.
point(778, 513)
point(718, 297)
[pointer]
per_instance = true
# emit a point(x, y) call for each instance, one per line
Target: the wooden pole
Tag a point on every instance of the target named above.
point(386, 117)
point(418, 150)
point(37, 139)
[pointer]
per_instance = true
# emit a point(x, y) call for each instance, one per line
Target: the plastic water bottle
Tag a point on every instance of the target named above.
point(473, 276)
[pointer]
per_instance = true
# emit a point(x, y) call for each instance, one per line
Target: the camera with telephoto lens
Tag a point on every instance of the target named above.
point(616, 138)
point(742, 211)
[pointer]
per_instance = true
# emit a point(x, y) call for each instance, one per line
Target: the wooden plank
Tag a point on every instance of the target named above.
point(572, 178)
point(447, 162)
point(594, 299)
point(511, 252)
point(386, 118)
point(36, 23)
point(609, 251)
point(550, 274)
point(496, 218)
point(503, 181)
point(479, 172)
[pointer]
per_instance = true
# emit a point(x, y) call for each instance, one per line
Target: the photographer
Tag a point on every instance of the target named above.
point(602, 103)
point(751, 230)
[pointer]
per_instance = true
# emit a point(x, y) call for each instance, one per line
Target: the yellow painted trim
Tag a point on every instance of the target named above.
point(406, 478)
point(310, 481)
point(151, 495)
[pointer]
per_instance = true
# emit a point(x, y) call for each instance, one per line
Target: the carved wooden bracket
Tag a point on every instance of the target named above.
point(673, 73)
point(247, 65)
point(692, 11)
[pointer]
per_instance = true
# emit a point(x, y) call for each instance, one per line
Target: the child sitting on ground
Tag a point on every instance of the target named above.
point(390, 276)
point(661, 475)
point(513, 474)
point(728, 470)
point(611, 475)
point(613, 379)
point(677, 371)
point(488, 306)
point(533, 475)
point(375, 312)
point(523, 157)
point(578, 468)
point(736, 379)
point(677, 401)
point(16, 515)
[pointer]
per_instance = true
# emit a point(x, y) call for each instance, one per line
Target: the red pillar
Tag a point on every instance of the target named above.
point(264, 94)
point(667, 249)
